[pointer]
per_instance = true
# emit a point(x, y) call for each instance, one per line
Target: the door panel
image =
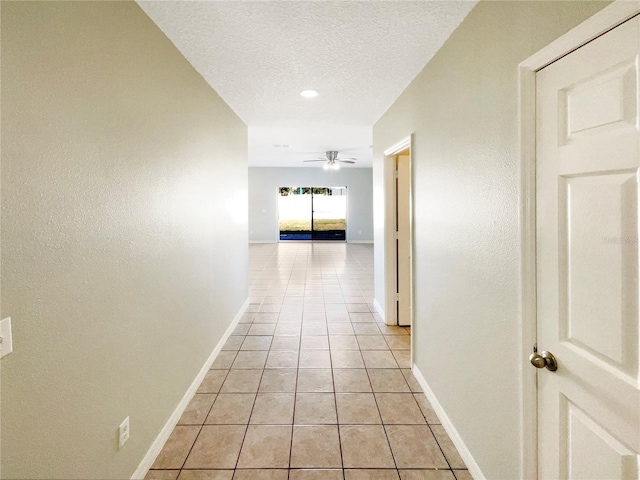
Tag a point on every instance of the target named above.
point(591, 451)
point(596, 261)
point(588, 154)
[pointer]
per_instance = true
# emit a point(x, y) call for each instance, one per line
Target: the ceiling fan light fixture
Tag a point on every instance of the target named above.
point(330, 162)
point(309, 93)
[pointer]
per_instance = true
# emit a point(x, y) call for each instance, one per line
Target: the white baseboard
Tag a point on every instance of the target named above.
point(262, 241)
point(359, 241)
point(464, 452)
point(162, 437)
point(379, 309)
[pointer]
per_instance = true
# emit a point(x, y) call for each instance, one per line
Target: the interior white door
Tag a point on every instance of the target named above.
point(403, 227)
point(588, 150)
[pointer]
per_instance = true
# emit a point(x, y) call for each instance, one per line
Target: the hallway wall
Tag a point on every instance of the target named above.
point(263, 199)
point(124, 233)
point(462, 109)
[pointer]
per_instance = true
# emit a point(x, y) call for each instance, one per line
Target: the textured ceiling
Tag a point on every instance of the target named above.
point(359, 55)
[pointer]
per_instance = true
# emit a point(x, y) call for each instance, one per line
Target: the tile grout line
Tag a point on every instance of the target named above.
point(384, 429)
point(440, 447)
point(335, 402)
point(201, 426)
point(335, 397)
point(295, 396)
point(246, 430)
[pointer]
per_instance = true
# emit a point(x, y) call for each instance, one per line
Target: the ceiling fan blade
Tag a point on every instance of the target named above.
point(344, 161)
point(322, 160)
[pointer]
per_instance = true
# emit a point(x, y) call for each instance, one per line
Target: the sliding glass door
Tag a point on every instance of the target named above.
point(312, 213)
point(329, 213)
point(294, 211)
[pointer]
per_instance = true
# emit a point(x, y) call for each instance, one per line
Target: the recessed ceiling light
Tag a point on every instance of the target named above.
point(309, 93)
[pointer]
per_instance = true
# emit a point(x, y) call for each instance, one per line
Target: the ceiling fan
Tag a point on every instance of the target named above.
point(332, 161)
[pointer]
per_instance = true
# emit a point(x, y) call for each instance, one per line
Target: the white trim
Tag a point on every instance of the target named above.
point(606, 19)
point(158, 443)
point(262, 241)
point(446, 422)
point(600, 23)
point(390, 258)
point(378, 308)
point(359, 241)
point(398, 147)
point(527, 326)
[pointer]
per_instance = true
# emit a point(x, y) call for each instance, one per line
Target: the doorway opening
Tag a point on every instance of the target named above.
point(398, 250)
point(312, 213)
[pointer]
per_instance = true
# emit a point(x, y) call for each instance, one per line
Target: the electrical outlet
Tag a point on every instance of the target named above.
point(6, 342)
point(123, 432)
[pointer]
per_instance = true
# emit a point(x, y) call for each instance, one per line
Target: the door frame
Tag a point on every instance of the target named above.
point(390, 254)
point(607, 19)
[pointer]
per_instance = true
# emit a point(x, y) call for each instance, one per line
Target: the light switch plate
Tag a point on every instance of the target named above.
point(123, 432)
point(6, 347)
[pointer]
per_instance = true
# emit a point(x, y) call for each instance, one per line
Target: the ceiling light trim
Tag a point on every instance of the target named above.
point(309, 93)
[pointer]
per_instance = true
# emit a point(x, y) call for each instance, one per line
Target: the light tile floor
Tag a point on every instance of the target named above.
point(311, 385)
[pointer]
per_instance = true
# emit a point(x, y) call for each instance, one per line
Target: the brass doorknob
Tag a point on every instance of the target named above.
point(543, 359)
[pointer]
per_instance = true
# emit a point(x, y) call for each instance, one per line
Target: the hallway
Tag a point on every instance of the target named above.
point(311, 385)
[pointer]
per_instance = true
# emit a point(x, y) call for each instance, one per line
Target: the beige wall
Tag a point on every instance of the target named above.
point(124, 233)
point(462, 109)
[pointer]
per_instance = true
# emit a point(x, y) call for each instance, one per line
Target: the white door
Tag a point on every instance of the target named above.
point(588, 152)
point(403, 241)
